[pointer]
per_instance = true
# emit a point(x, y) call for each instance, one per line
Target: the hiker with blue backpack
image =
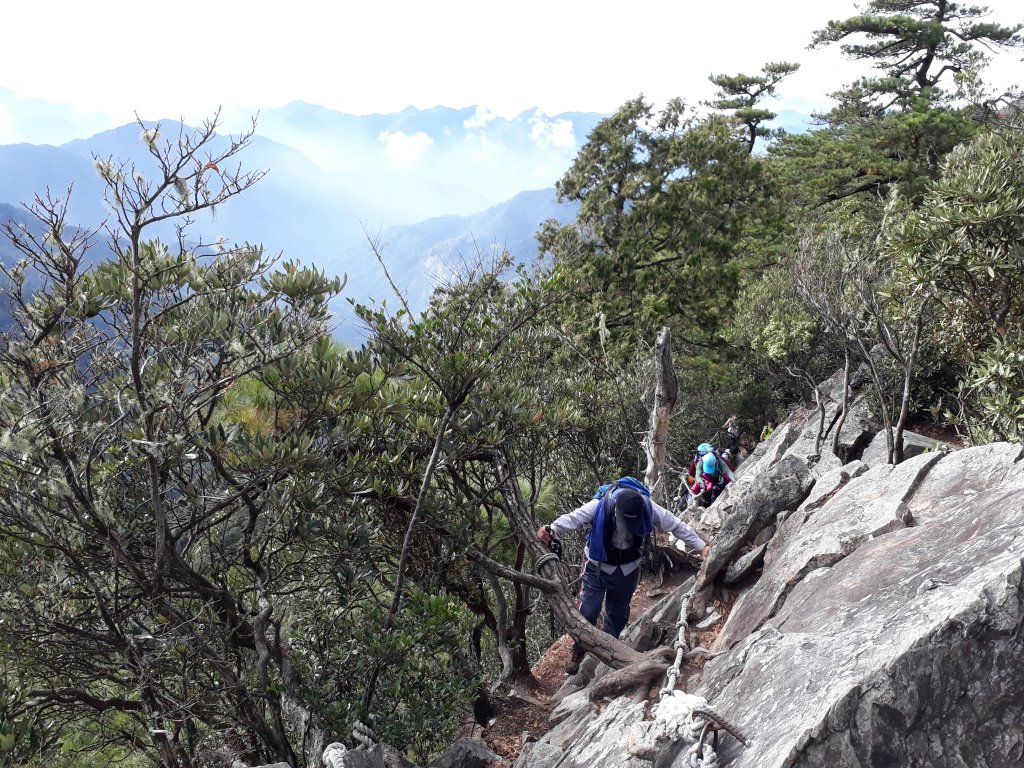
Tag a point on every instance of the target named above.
point(621, 517)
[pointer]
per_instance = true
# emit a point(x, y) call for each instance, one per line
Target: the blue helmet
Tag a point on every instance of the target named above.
point(710, 463)
point(704, 448)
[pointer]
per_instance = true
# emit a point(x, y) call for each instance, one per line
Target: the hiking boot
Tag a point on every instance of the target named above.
point(572, 666)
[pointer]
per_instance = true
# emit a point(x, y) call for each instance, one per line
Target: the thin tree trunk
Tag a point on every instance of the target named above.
point(876, 379)
point(501, 632)
point(428, 476)
point(908, 380)
point(665, 393)
point(846, 404)
point(520, 666)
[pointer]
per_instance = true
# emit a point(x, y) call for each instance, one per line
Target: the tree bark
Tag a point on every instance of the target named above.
point(846, 404)
point(909, 362)
point(665, 393)
point(642, 674)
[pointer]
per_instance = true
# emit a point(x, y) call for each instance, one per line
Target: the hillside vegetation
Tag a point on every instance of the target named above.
point(225, 537)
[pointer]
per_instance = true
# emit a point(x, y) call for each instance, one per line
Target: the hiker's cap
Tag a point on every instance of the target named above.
point(630, 506)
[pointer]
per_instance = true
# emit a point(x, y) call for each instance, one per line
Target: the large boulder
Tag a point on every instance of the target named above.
point(466, 753)
point(877, 451)
point(820, 535)
point(752, 505)
point(909, 651)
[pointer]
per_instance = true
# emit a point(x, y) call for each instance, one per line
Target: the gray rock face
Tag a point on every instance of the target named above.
point(745, 565)
point(972, 471)
point(538, 754)
point(466, 753)
point(818, 536)
point(602, 740)
point(752, 505)
point(909, 651)
point(857, 430)
point(914, 444)
point(772, 450)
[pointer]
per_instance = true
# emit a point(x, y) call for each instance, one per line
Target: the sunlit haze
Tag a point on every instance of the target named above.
point(112, 59)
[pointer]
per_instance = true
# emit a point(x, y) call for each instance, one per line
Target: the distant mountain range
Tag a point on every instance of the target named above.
point(430, 185)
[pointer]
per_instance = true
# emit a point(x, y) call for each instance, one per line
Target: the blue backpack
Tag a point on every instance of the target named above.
point(607, 519)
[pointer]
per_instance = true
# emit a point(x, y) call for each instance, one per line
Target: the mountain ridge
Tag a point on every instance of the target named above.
point(322, 215)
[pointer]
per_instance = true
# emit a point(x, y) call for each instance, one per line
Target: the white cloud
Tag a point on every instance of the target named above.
point(404, 149)
point(480, 146)
point(481, 118)
point(551, 133)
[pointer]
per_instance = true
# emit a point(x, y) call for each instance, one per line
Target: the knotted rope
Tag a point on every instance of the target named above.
point(334, 755)
point(692, 716)
point(362, 734)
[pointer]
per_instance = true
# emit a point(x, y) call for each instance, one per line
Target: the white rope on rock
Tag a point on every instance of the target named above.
point(364, 735)
point(676, 710)
point(334, 755)
point(689, 716)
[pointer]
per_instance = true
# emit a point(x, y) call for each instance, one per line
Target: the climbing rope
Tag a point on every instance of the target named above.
point(702, 756)
point(334, 755)
point(681, 645)
point(364, 735)
point(545, 558)
point(692, 714)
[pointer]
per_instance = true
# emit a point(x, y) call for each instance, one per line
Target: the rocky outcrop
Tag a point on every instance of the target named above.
point(914, 444)
point(886, 627)
point(907, 651)
point(467, 753)
point(819, 535)
point(752, 504)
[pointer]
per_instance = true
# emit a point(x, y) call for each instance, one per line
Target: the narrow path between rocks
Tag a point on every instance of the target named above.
point(520, 717)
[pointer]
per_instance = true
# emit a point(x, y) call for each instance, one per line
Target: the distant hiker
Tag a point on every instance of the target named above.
point(621, 516)
point(732, 433)
point(710, 472)
point(768, 429)
point(733, 458)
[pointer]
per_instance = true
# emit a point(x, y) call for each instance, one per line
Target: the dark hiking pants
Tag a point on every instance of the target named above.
point(613, 590)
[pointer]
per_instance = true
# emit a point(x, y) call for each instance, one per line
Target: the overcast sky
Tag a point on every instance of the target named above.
point(185, 58)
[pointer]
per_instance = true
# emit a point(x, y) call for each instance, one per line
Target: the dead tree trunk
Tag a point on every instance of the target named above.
point(837, 433)
point(665, 393)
